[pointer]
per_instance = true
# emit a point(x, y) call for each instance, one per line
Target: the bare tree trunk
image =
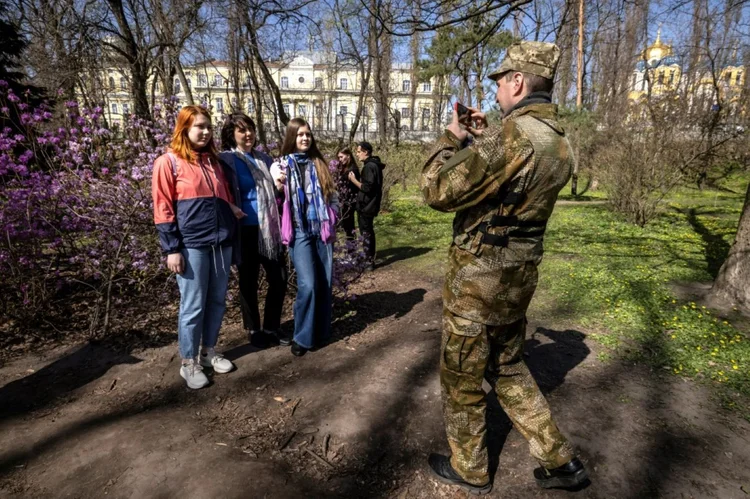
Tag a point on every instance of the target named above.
point(415, 43)
point(380, 50)
point(365, 71)
point(733, 281)
point(183, 80)
point(136, 59)
point(579, 80)
point(267, 76)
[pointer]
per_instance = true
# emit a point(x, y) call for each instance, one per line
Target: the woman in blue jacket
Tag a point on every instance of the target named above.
point(258, 195)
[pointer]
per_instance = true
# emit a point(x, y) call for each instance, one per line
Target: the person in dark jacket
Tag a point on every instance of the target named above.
point(369, 196)
point(347, 190)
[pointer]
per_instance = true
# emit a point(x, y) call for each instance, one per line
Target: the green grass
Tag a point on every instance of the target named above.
point(614, 279)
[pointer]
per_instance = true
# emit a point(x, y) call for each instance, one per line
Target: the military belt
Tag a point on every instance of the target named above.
point(502, 241)
point(513, 221)
point(513, 198)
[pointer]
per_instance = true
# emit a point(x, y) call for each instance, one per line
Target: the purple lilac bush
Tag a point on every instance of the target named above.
point(76, 212)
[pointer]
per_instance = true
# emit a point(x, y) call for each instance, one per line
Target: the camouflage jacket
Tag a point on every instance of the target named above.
point(514, 170)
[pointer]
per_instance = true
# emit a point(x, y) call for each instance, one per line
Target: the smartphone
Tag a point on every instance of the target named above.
point(463, 112)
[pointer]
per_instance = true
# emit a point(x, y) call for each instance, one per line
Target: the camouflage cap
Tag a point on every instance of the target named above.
point(538, 58)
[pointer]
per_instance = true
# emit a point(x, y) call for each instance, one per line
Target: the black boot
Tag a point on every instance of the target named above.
point(567, 476)
point(441, 467)
point(283, 338)
point(259, 339)
point(298, 351)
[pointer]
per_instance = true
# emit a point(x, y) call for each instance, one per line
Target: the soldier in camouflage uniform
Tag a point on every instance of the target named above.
point(502, 187)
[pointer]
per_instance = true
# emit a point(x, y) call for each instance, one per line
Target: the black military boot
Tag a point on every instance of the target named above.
point(441, 467)
point(567, 476)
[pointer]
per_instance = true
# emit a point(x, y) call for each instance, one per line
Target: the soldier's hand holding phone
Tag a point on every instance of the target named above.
point(467, 119)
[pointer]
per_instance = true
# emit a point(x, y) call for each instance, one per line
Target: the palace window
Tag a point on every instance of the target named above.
point(302, 110)
point(123, 84)
point(671, 76)
point(405, 113)
point(319, 83)
point(425, 118)
point(234, 103)
point(220, 105)
point(176, 86)
point(126, 109)
point(406, 86)
point(250, 106)
point(286, 109)
point(111, 83)
point(248, 82)
point(738, 77)
point(427, 87)
point(202, 80)
point(284, 82)
point(344, 110)
point(114, 108)
point(343, 84)
point(218, 81)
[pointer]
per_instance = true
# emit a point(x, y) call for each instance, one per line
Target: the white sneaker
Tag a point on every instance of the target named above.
point(192, 372)
point(209, 358)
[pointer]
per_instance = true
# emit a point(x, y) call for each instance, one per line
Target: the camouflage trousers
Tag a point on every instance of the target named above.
point(472, 352)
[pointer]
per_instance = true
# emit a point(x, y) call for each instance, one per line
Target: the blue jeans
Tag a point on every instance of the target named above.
point(313, 261)
point(203, 293)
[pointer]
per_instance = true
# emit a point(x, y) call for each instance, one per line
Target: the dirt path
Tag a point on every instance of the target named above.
point(356, 419)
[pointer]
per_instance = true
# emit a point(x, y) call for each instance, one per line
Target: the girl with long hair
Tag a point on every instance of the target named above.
point(308, 228)
point(259, 232)
point(195, 216)
point(347, 190)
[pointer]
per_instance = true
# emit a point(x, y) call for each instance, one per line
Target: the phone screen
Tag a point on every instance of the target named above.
point(462, 111)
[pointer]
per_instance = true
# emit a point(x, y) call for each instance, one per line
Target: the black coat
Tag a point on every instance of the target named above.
point(371, 192)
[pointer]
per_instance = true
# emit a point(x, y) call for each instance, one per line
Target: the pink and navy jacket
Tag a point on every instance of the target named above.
point(192, 203)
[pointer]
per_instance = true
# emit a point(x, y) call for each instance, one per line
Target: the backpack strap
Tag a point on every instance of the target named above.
point(173, 161)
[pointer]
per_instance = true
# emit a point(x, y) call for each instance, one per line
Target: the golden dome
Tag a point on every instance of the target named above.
point(657, 50)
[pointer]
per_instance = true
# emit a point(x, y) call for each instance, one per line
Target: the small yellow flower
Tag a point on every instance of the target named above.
point(735, 367)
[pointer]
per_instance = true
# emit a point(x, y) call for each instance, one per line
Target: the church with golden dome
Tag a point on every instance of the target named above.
point(660, 73)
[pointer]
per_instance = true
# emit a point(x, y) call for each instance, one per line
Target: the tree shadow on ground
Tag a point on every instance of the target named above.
point(360, 312)
point(717, 248)
point(549, 362)
point(393, 255)
point(80, 366)
point(372, 307)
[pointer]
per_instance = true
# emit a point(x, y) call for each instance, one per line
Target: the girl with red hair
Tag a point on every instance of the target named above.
point(195, 216)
